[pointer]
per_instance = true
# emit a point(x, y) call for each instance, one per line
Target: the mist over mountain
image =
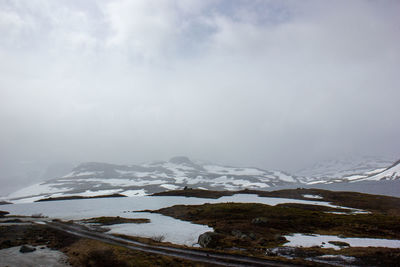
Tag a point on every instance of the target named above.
point(98, 179)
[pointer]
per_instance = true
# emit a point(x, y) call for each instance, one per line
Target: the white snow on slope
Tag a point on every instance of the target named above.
point(341, 168)
point(379, 170)
point(313, 196)
point(87, 193)
point(37, 189)
point(390, 173)
point(170, 186)
point(284, 177)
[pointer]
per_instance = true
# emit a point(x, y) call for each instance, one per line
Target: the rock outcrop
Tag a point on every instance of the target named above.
point(208, 240)
point(26, 249)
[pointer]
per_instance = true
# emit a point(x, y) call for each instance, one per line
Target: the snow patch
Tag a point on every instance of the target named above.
point(134, 193)
point(313, 196)
point(302, 240)
point(172, 230)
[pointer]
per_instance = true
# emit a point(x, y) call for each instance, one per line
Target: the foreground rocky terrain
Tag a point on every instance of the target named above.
point(306, 227)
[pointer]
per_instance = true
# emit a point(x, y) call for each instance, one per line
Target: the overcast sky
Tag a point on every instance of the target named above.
point(273, 84)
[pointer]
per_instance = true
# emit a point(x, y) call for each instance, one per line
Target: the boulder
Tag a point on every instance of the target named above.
point(280, 238)
point(259, 221)
point(3, 213)
point(237, 233)
point(26, 249)
point(339, 243)
point(208, 240)
point(253, 236)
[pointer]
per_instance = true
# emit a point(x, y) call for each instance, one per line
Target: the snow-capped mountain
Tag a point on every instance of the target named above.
point(92, 179)
point(338, 170)
point(390, 173)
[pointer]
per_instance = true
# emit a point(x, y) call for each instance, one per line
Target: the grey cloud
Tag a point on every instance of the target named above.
point(270, 84)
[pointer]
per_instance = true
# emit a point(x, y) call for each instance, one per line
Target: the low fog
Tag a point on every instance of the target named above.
point(272, 84)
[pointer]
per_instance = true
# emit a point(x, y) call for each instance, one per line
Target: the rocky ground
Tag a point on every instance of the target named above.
point(257, 228)
point(239, 228)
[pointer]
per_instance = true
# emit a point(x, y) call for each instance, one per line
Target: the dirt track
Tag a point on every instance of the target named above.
point(187, 254)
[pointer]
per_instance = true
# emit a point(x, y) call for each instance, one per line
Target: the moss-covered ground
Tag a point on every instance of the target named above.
point(254, 227)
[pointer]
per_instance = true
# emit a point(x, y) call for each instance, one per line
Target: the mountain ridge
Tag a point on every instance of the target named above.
point(94, 178)
point(97, 178)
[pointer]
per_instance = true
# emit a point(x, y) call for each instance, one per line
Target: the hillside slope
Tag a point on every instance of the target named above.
point(92, 179)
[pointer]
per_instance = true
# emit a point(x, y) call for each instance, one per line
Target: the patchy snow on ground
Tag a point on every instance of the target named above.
point(335, 260)
point(40, 257)
point(302, 240)
point(342, 257)
point(313, 196)
point(128, 206)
